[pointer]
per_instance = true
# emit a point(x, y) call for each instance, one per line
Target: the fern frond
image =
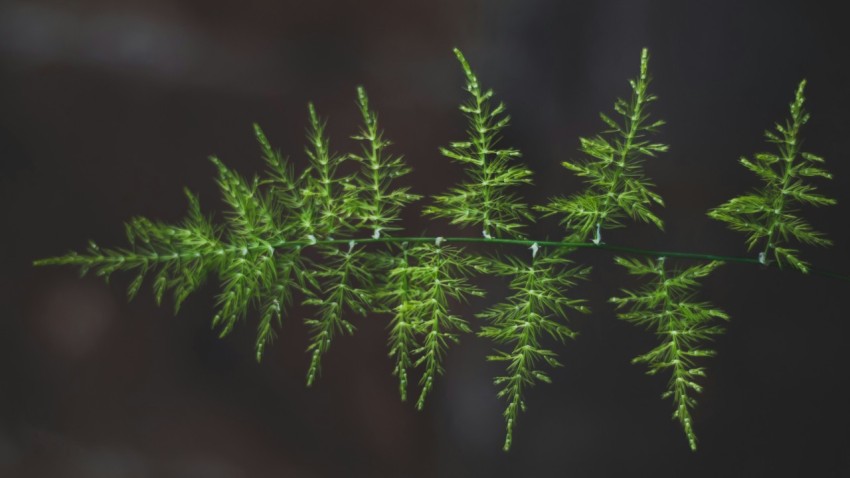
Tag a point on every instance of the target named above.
point(399, 299)
point(440, 276)
point(284, 189)
point(180, 256)
point(380, 205)
point(537, 309)
point(617, 187)
point(277, 294)
point(770, 215)
point(666, 305)
point(330, 200)
point(340, 283)
point(248, 263)
point(486, 199)
point(327, 235)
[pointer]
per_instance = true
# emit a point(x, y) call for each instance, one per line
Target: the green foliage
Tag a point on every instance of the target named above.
point(485, 199)
point(666, 305)
point(537, 309)
point(328, 235)
point(769, 215)
point(617, 187)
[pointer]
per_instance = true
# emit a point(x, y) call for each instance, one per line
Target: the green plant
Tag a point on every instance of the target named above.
point(327, 234)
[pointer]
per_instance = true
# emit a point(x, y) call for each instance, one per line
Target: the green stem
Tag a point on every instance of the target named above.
point(471, 240)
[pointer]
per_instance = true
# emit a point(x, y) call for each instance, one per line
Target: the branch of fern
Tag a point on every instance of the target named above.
point(473, 240)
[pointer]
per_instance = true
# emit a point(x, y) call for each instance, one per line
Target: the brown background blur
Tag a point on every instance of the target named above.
point(108, 108)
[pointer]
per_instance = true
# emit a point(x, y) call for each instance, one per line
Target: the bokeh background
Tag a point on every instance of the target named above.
point(108, 108)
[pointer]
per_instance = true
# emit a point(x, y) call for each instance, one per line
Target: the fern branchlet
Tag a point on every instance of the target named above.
point(684, 326)
point(380, 205)
point(617, 187)
point(486, 199)
point(401, 299)
point(769, 215)
point(537, 309)
point(340, 287)
point(440, 277)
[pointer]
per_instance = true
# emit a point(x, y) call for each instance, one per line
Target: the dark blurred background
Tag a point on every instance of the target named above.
point(108, 108)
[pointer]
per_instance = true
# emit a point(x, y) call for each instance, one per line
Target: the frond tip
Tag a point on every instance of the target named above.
point(684, 326)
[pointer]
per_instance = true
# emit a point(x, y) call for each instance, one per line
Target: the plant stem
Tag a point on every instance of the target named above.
point(481, 240)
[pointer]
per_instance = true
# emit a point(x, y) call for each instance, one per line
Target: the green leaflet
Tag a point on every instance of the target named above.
point(248, 267)
point(289, 276)
point(769, 215)
point(486, 199)
point(666, 306)
point(617, 187)
point(537, 309)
